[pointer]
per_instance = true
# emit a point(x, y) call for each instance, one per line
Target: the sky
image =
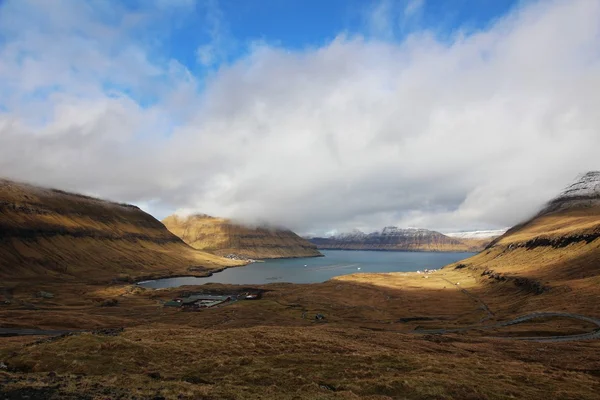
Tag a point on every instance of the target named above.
point(320, 116)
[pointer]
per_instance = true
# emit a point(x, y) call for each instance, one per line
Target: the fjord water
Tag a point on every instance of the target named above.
point(319, 269)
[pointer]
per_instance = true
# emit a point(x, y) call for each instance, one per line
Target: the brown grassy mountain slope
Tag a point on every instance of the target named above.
point(46, 233)
point(392, 238)
point(221, 236)
point(555, 256)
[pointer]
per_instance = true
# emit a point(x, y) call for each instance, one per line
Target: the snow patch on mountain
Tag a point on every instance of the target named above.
point(388, 231)
point(484, 234)
point(582, 194)
point(585, 185)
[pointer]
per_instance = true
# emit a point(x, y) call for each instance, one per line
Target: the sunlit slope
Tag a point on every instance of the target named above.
point(47, 233)
point(559, 245)
point(561, 242)
point(221, 236)
point(551, 261)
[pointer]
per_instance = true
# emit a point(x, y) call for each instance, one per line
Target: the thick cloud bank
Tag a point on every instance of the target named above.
point(468, 132)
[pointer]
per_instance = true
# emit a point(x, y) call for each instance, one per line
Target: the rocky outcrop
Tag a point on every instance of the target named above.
point(393, 238)
point(50, 233)
point(226, 238)
point(529, 285)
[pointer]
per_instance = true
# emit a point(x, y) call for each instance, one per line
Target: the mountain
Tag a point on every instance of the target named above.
point(572, 216)
point(583, 194)
point(493, 326)
point(393, 238)
point(49, 233)
point(485, 234)
point(556, 252)
point(226, 238)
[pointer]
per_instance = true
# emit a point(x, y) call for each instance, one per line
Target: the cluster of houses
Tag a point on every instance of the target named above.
point(426, 271)
point(196, 302)
point(240, 258)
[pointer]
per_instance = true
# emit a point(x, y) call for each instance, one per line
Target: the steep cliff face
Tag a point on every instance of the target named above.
point(393, 238)
point(48, 233)
point(223, 237)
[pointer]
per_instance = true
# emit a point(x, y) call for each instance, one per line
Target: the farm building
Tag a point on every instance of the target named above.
point(198, 301)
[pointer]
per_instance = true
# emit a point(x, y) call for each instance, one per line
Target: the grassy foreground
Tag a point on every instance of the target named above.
point(264, 349)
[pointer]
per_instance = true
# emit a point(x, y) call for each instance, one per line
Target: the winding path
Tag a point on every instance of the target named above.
point(6, 332)
point(595, 334)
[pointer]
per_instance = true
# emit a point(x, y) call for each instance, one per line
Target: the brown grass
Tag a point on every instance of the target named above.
point(264, 349)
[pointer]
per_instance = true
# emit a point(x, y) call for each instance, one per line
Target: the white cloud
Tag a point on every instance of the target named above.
point(380, 19)
point(465, 134)
point(413, 7)
point(220, 42)
point(387, 19)
point(206, 54)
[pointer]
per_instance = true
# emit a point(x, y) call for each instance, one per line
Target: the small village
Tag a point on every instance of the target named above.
point(200, 301)
point(240, 258)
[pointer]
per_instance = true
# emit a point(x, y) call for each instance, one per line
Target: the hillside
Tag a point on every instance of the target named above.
point(224, 237)
point(48, 233)
point(393, 238)
point(555, 255)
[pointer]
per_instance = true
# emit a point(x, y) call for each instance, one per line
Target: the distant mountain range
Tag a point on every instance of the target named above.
point(485, 234)
point(410, 239)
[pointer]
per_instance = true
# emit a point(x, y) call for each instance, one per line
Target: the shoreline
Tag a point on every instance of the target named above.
point(201, 282)
point(407, 251)
point(151, 278)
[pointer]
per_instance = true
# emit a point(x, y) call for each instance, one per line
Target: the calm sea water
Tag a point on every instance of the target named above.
point(319, 269)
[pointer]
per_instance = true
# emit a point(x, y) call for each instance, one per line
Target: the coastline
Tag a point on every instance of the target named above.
point(201, 274)
point(406, 250)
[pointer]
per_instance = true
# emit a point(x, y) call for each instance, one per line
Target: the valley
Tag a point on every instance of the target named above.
point(517, 320)
point(299, 200)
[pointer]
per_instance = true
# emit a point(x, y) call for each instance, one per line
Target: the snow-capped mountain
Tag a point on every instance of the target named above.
point(394, 238)
point(484, 234)
point(586, 185)
point(583, 193)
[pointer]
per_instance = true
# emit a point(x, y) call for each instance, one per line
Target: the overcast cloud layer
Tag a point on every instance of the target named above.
point(469, 132)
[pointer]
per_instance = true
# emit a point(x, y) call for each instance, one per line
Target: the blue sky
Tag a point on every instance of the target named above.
point(316, 115)
point(235, 25)
point(228, 30)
